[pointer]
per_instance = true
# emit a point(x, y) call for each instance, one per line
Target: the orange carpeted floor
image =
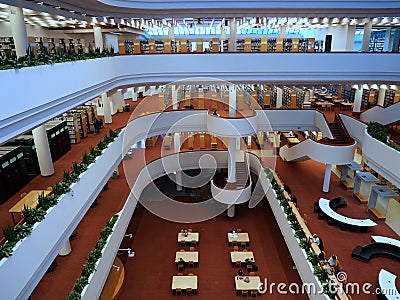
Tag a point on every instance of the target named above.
point(148, 275)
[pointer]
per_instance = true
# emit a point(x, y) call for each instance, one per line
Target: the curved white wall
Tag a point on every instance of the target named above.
point(230, 197)
point(382, 115)
point(231, 127)
point(310, 149)
point(40, 93)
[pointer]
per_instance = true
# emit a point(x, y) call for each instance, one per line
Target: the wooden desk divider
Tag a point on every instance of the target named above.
point(247, 45)
point(396, 96)
point(201, 100)
point(161, 101)
point(121, 46)
point(183, 45)
point(152, 46)
point(202, 141)
point(311, 45)
point(187, 99)
point(264, 45)
point(225, 143)
point(199, 45)
point(214, 102)
point(215, 45)
point(293, 98)
point(167, 46)
point(295, 44)
point(214, 142)
point(226, 100)
point(279, 45)
point(240, 100)
point(190, 141)
point(267, 98)
point(136, 46)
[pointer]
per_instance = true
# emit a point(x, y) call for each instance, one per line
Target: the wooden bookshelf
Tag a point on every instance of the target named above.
point(295, 45)
point(151, 141)
point(136, 46)
point(240, 100)
point(167, 45)
point(279, 45)
point(214, 45)
point(247, 45)
point(311, 45)
point(264, 45)
point(199, 45)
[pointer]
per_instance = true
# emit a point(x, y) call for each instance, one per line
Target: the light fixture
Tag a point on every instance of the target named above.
point(345, 21)
point(375, 20)
point(39, 3)
point(395, 20)
point(315, 20)
point(335, 20)
point(353, 22)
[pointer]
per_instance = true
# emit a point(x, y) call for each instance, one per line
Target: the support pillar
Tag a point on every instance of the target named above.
point(327, 178)
point(18, 30)
point(366, 37)
point(66, 249)
point(387, 40)
point(175, 103)
point(231, 211)
point(134, 95)
point(279, 93)
point(381, 95)
point(351, 33)
point(98, 36)
point(177, 148)
point(357, 100)
point(277, 143)
point(107, 108)
point(232, 34)
point(43, 151)
point(231, 159)
point(282, 31)
point(232, 100)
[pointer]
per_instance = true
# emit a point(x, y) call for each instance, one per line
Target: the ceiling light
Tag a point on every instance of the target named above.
point(345, 20)
point(40, 2)
point(385, 20)
point(57, 7)
point(315, 20)
point(71, 11)
point(395, 20)
point(325, 20)
point(353, 22)
point(375, 20)
point(335, 20)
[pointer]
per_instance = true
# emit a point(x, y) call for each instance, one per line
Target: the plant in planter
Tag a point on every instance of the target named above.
point(60, 188)
point(88, 269)
point(10, 234)
point(300, 234)
point(305, 244)
point(47, 201)
point(112, 222)
point(79, 168)
point(6, 249)
point(88, 159)
point(291, 217)
point(80, 284)
point(101, 145)
point(70, 178)
point(329, 290)
point(295, 226)
point(74, 296)
point(94, 151)
point(105, 233)
point(23, 230)
point(321, 274)
point(33, 215)
point(313, 259)
point(286, 207)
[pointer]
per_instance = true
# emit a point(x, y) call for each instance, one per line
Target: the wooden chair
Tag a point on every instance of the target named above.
point(180, 267)
point(178, 291)
point(50, 189)
point(22, 195)
point(191, 264)
point(254, 293)
point(194, 244)
point(189, 291)
point(238, 230)
point(182, 243)
point(234, 243)
point(245, 293)
point(235, 248)
point(190, 230)
point(244, 250)
point(180, 274)
point(249, 268)
point(190, 274)
point(191, 249)
point(238, 263)
point(182, 250)
point(252, 274)
point(243, 244)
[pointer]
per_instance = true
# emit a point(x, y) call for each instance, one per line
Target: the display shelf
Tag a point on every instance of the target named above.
point(6, 44)
point(391, 97)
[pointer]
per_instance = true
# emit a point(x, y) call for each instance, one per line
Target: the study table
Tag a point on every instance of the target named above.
point(184, 282)
point(187, 256)
point(241, 237)
point(188, 237)
point(293, 140)
point(254, 283)
point(30, 200)
point(241, 256)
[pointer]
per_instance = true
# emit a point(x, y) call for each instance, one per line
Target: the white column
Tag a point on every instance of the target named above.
point(381, 95)
point(134, 95)
point(231, 159)
point(98, 37)
point(282, 31)
point(366, 37)
point(175, 103)
point(66, 249)
point(232, 100)
point(18, 30)
point(106, 108)
point(177, 147)
point(387, 40)
point(232, 34)
point(43, 151)
point(357, 99)
point(278, 97)
point(327, 178)
point(351, 32)
point(231, 211)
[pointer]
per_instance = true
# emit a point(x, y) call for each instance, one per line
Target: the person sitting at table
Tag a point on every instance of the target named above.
point(318, 241)
point(249, 261)
point(293, 199)
point(334, 264)
point(239, 273)
point(181, 261)
point(233, 230)
point(255, 268)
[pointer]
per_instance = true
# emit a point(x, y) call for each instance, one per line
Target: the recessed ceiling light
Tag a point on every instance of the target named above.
point(40, 2)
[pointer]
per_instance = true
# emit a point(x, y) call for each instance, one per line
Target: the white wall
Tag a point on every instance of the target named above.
point(111, 40)
point(339, 36)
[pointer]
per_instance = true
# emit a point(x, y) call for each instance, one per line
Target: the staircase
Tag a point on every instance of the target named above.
point(242, 175)
point(337, 133)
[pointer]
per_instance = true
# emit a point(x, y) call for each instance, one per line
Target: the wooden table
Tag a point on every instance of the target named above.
point(184, 282)
point(187, 256)
point(30, 200)
point(241, 256)
point(287, 134)
point(346, 106)
point(191, 236)
point(253, 284)
point(242, 237)
point(293, 140)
